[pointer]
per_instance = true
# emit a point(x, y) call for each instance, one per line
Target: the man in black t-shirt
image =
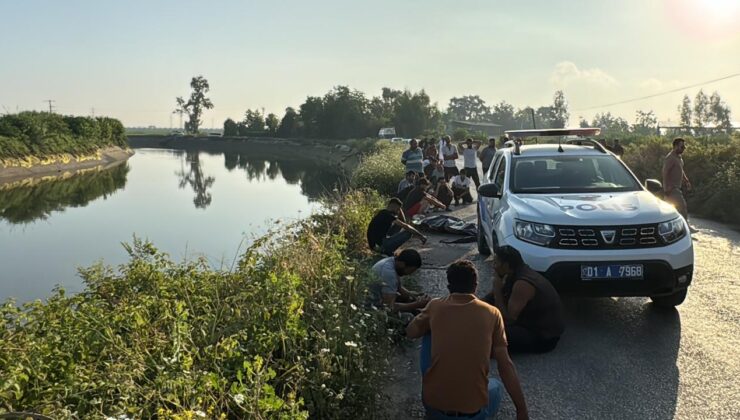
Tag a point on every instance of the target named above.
point(378, 230)
point(531, 306)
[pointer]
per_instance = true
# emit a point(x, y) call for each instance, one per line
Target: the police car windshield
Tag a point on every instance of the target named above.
point(570, 174)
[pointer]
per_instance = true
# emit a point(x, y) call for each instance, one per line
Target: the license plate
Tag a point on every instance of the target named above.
point(611, 271)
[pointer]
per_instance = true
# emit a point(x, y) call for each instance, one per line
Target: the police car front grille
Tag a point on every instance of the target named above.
point(606, 237)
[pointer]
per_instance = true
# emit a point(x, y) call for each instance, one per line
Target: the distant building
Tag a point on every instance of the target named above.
point(489, 129)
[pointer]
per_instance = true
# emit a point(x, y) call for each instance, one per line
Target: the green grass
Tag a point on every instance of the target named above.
point(282, 334)
point(381, 170)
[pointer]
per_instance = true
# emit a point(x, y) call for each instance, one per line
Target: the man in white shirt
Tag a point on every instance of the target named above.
point(449, 153)
point(461, 188)
point(470, 157)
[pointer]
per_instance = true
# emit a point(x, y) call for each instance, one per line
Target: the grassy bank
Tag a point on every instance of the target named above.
point(282, 334)
point(380, 170)
point(41, 134)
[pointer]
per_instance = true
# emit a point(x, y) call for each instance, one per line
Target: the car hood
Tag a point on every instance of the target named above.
point(635, 207)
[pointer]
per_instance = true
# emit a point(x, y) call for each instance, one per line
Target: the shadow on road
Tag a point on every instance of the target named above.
point(617, 359)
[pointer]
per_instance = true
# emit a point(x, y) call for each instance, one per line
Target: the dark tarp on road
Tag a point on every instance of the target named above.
point(450, 224)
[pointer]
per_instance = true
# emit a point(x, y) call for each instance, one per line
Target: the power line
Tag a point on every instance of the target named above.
point(659, 94)
point(51, 107)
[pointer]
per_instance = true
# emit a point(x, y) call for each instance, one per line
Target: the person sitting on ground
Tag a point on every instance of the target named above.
point(413, 157)
point(470, 159)
point(418, 199)
point(461, 188)
point(532, 310)
point(460, 336)
point(487, 154)
point(437, 172)
point(388, 291)
point(388, 229)
point(443, 193)
point(408, 181)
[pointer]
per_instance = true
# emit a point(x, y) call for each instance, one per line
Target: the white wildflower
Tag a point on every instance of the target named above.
point(324, 350)
point(239, 398)
point(200, 413)
point(350, 344)
point(352, 305)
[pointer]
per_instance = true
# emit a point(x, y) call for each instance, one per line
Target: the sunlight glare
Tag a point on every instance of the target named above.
point(714, 18)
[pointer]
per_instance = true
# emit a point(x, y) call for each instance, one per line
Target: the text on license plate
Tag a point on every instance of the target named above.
point(611, 271)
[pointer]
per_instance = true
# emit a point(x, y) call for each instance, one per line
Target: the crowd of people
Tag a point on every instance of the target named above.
point(460, 332)
point(433, 179)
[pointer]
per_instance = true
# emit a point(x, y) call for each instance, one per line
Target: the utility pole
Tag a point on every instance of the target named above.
point(534, 124)
point(92, 111)
point(170, 121)
point(51, 107)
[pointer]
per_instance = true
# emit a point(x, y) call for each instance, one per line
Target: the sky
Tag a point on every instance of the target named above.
point(131, 59)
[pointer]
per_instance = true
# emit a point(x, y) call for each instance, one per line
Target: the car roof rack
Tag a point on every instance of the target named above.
point(579, 142)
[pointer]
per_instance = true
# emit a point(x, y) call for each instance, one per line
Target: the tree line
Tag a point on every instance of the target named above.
point(344, 113)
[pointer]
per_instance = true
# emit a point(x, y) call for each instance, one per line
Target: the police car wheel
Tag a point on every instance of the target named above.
point(671, 300)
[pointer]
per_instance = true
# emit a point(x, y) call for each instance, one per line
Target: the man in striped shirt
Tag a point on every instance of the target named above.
point(413, 158)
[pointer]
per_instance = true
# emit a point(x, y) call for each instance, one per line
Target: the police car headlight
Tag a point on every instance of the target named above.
point(672, 230)
point(536, 233)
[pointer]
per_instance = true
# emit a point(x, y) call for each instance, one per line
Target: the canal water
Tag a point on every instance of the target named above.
point(189, 204)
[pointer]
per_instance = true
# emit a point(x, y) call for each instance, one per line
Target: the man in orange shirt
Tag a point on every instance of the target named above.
point(461, 335)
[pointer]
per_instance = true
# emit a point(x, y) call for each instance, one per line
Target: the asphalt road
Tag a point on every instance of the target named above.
point(620, 358)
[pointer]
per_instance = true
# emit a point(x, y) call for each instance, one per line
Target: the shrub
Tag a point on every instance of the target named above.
point(41, 134)
point(282, 335)
point(381, 171)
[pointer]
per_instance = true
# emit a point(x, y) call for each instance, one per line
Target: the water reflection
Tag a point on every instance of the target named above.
point(315, 179)
point(25, 204)
point(196, 179)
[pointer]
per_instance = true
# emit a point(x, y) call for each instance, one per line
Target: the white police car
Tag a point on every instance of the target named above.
point(579, 216)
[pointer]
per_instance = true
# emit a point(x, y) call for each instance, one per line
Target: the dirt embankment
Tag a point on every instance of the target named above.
point(269, 148)
point(15, 171)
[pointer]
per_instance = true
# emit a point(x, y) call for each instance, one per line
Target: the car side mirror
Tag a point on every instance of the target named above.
point(654, 186)
point(488, 190)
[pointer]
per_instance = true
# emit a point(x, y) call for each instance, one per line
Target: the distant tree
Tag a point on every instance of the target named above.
point(583, 123)
point(459, 135)
point(468, 108)
point(290, 124)
point(413, 114)
point(310, 113)
point(645, 122)
point(524, 118)
point(720, 112)
point(503, 114)
point(560, 110)
point(608, 122)
point(701, 109)
point(684, 111)
point(345, 114)
point(254, 120)
point(242, 129)
point(194, 107)
point(272, 123)
point(230, 128)
point(546, 117)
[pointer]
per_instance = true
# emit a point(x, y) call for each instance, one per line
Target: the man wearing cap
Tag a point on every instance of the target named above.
point(460, 336)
